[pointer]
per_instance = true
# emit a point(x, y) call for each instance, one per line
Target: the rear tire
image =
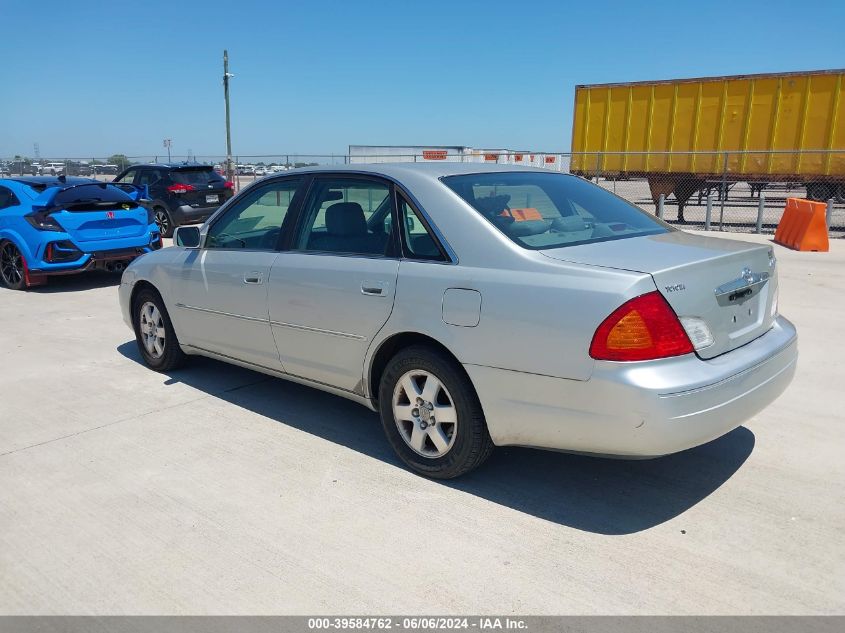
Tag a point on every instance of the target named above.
point(12, 267)
point(154, 332)
point(164, 222)
point(431, 414)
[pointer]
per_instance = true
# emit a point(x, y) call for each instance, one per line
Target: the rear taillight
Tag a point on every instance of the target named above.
point(43, 221)
point(644, 328)
point(179, 188)
point(229, 184)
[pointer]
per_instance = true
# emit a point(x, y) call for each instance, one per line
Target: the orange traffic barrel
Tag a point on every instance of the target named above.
point(803, 226)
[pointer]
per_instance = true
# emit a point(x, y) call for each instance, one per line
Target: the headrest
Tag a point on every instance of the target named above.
point(491, 205)
point(346, 218)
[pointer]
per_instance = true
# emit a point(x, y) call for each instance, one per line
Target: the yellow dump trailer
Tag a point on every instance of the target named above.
point(683, 134)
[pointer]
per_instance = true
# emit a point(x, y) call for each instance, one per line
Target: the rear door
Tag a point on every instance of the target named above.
point(334, 289)
point(221, 292)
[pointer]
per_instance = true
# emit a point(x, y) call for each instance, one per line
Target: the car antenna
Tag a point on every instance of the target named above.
point(62, 179)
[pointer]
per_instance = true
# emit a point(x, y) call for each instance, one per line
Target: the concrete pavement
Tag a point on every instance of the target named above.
point(217, 490)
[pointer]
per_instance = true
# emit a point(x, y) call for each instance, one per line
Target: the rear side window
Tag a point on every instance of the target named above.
point(346, 215)
point(194, 176)
point(7, 198)
point(547, 210)
point(417, 240)
point(149, 177)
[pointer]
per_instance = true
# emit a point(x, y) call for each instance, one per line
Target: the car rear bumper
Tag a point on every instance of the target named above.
point(642, 409)
point(186, 214)
point(95, 260)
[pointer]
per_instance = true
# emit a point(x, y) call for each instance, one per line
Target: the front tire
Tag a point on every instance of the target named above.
point(431, 414)
point(12, 267)
point(154, 332)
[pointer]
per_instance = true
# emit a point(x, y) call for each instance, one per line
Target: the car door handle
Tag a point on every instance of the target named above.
point(373, 288)
point(253, 278)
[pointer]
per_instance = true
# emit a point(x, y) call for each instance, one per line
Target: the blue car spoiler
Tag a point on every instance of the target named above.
point(59, 197)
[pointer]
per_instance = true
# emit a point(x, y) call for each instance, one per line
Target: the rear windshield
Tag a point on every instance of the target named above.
point(200, 176)
point(547, 210)
point(94, 196)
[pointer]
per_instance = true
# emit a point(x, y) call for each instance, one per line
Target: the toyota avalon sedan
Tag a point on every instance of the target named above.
point(474, 306)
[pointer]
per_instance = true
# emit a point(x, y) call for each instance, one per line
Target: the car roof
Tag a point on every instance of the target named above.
point(430, 169)
point(172, 165)
point(49, 181)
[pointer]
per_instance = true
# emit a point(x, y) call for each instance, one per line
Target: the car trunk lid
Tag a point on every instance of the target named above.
point(93, 210)
point(730, 285)
point(86, 225)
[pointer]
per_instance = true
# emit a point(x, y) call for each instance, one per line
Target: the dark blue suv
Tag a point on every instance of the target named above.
point(181, 193)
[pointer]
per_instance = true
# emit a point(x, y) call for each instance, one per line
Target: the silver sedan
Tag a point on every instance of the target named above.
point(474, 306)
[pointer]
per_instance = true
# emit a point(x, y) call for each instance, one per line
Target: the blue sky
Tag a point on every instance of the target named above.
point(94, 78)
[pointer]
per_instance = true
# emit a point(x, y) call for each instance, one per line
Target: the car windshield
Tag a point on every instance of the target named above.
point(547, 210)
point(201, 176)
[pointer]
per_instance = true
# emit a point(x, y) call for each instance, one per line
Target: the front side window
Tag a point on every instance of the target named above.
point(346, 215)
point(547, 210)
point(129, 176)
point(254, 221)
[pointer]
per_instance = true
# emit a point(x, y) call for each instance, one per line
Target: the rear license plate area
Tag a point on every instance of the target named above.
point(212, 199)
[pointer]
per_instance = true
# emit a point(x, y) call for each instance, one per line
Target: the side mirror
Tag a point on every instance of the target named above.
point(187, 236)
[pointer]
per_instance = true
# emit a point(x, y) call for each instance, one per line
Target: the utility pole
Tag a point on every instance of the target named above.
point(167, 143)
point(226, 76)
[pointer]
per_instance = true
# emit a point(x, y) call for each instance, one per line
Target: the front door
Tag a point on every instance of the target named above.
point(333, 291)
point(222, 288)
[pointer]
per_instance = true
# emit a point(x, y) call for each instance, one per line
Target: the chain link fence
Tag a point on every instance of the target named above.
point(727, 191)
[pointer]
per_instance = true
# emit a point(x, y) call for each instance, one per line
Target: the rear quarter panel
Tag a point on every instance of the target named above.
point(539, 319)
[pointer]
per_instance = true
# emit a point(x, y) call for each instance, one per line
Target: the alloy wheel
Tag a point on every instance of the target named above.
point(425, 414)
point(162, 221)
point(11, 264)
point(152, 329)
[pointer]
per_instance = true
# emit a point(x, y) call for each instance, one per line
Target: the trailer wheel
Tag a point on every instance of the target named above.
point(820, 191)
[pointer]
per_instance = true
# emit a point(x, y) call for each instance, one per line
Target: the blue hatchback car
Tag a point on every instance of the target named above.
point(58, 226)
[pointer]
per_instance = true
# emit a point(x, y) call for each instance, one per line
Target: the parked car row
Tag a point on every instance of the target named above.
point(56, 168)
point(260, 170)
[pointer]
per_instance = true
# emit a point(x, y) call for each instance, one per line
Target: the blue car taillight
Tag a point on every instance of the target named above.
point(43, 221)
point(64, 251)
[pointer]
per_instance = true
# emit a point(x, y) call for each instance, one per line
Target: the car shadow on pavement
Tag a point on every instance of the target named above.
point(603, 496)
point(77, 283)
